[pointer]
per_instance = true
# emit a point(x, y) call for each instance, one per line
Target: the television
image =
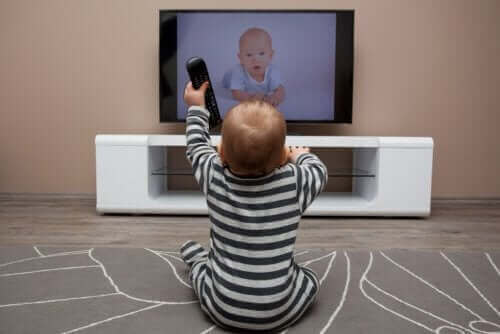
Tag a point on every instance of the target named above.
point(305, 55)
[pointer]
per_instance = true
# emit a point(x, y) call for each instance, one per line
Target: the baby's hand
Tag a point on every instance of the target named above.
point(272, 99)
point(295, 151)
point(277, 96)
point(259, 96)
point(195, 97)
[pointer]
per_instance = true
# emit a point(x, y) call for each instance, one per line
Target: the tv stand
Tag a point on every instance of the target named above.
point(391, 176)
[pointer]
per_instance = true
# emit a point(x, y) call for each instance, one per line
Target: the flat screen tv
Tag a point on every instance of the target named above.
point(302, 61)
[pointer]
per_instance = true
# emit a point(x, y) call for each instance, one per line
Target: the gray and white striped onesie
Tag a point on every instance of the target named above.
point(248, 278)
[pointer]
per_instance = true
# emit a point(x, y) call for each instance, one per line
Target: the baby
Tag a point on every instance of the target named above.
point(256, 190)
point(255, 77)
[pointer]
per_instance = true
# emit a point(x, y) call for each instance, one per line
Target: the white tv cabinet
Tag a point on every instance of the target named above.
point(391, 176)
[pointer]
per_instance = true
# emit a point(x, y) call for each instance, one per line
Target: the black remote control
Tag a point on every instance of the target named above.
point(198, 73)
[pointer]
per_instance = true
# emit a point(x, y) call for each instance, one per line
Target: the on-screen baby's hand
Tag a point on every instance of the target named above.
point(272, 99)
point(295, 151)
point(259, 96)
point(195, 97)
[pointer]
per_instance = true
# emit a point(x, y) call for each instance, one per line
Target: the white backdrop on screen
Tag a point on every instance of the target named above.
point(304, 52)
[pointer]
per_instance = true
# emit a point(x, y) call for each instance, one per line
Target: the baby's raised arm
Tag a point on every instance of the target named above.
point(199, 150)
point(312, 175)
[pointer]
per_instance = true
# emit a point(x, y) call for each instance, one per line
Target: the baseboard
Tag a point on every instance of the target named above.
point(47, 195)
point(434, 200)
point(466, 200)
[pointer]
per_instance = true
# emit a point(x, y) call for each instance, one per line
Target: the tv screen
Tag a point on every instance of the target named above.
point(301, 61)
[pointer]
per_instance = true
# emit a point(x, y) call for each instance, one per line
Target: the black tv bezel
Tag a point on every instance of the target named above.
point(344, 62)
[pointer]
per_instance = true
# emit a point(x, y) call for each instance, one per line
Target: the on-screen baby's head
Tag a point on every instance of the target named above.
point(256, 51)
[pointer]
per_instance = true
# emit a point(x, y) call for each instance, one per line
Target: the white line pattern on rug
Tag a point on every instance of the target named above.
point(414, 307)
point(46, 256)
point(308, 262)
point(300, 253)
point(492, 263)
point(475, 326)
point(344, 293)
point(472, 325)
point(46, 270)
point(330, 263)
point(470, 283)
point(38, 251)
point(171, 266)
point(361, 288)
point(456, 326)
point(105, 272)
point(113, 318)
point(433, 287)
point(169, 254)
point(59, 300)
point(208, 330)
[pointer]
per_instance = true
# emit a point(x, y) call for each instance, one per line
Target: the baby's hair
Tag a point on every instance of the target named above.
point(255, 31)
point(253, 137)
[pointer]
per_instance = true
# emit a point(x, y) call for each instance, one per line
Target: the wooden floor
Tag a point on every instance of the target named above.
point(55, 220)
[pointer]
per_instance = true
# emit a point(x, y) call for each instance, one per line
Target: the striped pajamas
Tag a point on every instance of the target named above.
point(248, 278)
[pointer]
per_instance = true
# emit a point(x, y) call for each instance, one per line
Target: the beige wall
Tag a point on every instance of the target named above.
point(72, 69)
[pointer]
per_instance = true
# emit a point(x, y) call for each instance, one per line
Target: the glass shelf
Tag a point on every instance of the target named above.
point(332, 172)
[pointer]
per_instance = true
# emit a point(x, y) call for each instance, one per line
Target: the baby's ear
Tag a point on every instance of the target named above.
point(221, 153)
point(284, 156)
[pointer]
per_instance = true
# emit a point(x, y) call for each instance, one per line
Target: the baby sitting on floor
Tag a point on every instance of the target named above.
point(256, 190)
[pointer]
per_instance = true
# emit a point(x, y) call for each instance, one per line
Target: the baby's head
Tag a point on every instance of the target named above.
point(256, 51)
point(253, 139)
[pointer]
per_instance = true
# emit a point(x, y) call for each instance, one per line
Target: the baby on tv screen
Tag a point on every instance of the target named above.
point(299, 61)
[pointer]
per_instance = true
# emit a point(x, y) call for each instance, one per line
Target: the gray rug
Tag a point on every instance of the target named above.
point(110, 290)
